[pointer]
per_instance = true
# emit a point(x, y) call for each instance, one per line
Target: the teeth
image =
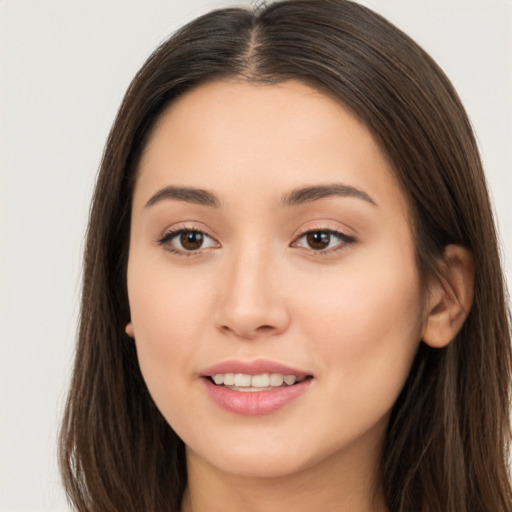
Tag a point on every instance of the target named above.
point(218, 379)
point(229, 379)
point(290, 379)
point(276, 379)
point(260, 381)
point(243, 380)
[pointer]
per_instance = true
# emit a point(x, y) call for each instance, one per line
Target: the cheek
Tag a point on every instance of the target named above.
point(168, 311)
point(363, 336)
point(165, 302)
point(369, 313)
point(364, 326)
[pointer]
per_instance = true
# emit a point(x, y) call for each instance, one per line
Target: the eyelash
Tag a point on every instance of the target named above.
point(344, 241)
point(168, 237)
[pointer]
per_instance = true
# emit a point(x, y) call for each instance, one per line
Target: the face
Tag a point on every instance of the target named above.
point(275, 301)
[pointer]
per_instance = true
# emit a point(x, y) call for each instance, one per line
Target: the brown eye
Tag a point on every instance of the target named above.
point(324, 241)
point(191, 240)
point(318, 239)
point(187, 242)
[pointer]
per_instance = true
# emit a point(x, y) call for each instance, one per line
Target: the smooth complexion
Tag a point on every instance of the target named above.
point(268, 229)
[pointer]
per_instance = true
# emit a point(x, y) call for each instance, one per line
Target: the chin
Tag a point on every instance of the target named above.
point(255, 463)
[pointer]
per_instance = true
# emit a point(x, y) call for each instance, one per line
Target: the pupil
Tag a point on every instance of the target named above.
point(191, 240)
point(318, 239)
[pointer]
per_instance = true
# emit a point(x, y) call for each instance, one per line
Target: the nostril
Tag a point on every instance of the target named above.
point(264, 328)
point(248, 332)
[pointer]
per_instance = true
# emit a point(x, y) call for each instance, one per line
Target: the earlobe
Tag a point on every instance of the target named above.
point(450, 297)
point(129, 330)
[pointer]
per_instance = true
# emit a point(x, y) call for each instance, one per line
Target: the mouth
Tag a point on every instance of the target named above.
point(245, 382)
point(256, 387)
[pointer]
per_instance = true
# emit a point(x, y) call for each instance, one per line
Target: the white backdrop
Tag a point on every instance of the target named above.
point(64, 66)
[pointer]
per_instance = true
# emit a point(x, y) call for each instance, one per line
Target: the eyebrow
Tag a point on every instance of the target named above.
point(187, 194)
point(295, 197)
point(314, 193)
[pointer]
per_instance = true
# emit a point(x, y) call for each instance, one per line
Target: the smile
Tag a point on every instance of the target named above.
point(262, 382)
point(251, 388)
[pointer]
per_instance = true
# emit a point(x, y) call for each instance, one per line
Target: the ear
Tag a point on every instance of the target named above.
point(450, 297)
point(129, 330)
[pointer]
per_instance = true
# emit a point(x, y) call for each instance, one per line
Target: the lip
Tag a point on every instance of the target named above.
point(254, 403)
point(256, 367)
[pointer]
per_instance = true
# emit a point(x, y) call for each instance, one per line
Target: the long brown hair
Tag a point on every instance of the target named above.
point(447, 439)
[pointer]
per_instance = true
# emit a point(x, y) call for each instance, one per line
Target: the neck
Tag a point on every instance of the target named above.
point(339, 484)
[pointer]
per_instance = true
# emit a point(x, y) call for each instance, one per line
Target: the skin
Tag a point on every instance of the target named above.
point(352, 315)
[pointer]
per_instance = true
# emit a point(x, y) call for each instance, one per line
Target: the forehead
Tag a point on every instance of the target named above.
point(235, 135)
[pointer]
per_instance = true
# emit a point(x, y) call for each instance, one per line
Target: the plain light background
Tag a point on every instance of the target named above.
point(64, 67)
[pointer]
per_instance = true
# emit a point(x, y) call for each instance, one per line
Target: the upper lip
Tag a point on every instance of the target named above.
point(255, 367)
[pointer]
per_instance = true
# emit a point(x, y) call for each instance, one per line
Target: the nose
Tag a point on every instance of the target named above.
point(252, 300)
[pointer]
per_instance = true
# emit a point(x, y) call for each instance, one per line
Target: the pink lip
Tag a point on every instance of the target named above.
point(253, 403)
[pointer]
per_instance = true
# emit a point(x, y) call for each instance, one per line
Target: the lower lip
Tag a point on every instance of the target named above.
point(254, 403)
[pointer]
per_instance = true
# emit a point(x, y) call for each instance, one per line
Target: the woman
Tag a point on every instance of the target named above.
point(292, 291)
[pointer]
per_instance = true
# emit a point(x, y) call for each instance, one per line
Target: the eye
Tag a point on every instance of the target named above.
point(187, 241)
point(323, 240)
